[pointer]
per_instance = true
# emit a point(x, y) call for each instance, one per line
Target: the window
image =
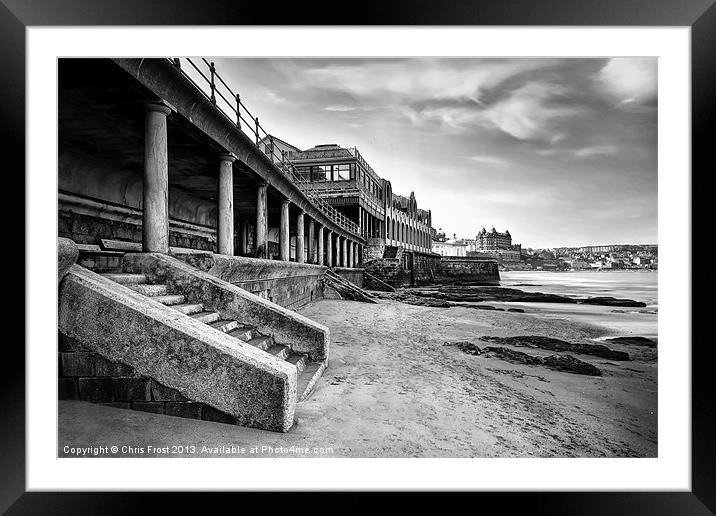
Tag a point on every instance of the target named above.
point(321, 173)
point(341, 172)
point(304, 173)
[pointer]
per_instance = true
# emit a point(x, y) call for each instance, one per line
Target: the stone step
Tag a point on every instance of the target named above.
point(189, 308)
point(243, 333)
point(261, 342)
point(308, 379)
point(126, 279)
point(299, 360)
point(206, 317)
point(170, 300)
point(280, 351)
point(149, 290)
point(225, 325)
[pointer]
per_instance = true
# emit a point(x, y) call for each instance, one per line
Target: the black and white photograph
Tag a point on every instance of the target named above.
point(417, 248)
point(358, 257)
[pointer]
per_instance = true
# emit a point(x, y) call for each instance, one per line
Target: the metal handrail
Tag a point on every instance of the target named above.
point(249, 125)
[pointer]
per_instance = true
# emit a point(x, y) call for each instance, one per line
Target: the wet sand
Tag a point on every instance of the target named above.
point(393, 390)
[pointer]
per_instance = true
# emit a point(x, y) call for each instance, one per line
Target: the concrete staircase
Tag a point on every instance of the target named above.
point(308, 372)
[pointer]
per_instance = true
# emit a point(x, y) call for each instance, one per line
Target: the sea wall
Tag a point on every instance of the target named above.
point(408, 269)
point(467, 271)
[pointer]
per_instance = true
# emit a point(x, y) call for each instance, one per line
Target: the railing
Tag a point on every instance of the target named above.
point(354, 152)
point(232, 107)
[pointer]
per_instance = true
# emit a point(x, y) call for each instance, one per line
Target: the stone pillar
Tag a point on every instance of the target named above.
point(155, 207)
point(355, 255)
point(320, 260)
point(225, 218)
point(300, 238)
point(260, 238)
point(329, 248)
point(311, 241)
point(244, 244)
point(344, 252)
point(350, 253)
point(284, 238)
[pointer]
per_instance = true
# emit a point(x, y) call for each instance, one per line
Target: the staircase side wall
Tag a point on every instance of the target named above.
point(155, 341)
point(286, 327)
point(288, 284)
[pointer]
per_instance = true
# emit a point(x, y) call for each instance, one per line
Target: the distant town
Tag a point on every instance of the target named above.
point(497, 245)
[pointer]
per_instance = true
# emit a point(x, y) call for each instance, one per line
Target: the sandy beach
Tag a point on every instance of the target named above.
point(393, 389)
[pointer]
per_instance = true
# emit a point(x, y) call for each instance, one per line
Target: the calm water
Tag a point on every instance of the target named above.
point(637, 285)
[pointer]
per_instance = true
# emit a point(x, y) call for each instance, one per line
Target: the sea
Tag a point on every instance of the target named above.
point(636, 285)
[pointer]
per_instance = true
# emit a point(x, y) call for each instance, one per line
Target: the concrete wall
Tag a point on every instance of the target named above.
point(210, 367)
point(288, 284)
point(388, 270)
point(89, 376)
point(102, 199)
point(87, 220)
point(374, 249)
point(467, 271)
point(393, 271)
point(355, 276)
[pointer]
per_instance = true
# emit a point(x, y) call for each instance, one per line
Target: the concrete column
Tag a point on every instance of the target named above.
point(329, 248)
point(300, 238)
point(261, 221)
point(311, 241)
point(344, 252)
point(355, 255)
point(350, 253)
point(225, 218)
point(155, 208)
point(320, 260)
point(360, 219)
point(244, 244)
point(284, 243)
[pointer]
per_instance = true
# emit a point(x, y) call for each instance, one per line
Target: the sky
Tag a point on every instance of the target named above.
point(562, 152)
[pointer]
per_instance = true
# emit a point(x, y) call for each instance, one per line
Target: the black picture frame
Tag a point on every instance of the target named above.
point(700, 15)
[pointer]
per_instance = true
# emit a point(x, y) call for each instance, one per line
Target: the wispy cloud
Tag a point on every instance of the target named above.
point(628, 81)
point(489, 160)
point(597, 150)
point(531, 113)
point(340, 109)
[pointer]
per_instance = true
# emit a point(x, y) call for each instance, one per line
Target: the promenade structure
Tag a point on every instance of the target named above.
point(185, 241)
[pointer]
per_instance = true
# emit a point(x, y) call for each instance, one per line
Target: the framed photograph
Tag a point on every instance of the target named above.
point(428, 248)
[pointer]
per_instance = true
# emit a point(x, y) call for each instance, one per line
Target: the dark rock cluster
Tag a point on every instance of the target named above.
point(549, 343)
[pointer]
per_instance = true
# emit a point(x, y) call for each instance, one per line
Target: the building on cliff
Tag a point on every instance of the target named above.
point(498, 245)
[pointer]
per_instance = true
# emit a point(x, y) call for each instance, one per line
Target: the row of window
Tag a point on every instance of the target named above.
point(344, 172)
point(322, 173)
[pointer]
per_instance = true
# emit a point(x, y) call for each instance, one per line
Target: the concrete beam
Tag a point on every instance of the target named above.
point(283, 236)
point(300, 238)
point(225, 201)
point(261, 236)
point(321, 259)
point(311, 241)
point(244, 247)
point(155, 212)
